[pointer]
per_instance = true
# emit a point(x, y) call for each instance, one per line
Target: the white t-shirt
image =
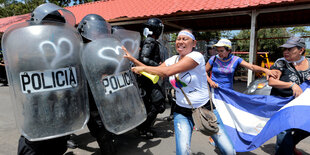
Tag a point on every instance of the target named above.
point(194, 82)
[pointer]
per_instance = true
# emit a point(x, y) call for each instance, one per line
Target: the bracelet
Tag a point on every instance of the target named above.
point(292, 85)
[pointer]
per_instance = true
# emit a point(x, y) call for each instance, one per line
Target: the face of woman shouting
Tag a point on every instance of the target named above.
point(184, 44)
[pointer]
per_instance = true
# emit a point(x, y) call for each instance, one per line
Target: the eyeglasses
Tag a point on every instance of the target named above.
point(220, 51)
point(289, 49)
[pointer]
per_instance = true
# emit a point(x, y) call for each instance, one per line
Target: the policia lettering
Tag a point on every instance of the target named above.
point(37, 81)
point(117, 81)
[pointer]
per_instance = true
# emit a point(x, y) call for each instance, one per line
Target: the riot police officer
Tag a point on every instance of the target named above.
point(152, 94)
point(46, 76)
point(91, 27)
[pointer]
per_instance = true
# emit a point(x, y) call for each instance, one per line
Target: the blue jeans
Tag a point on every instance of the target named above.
point(183, 128)
point(221, 139)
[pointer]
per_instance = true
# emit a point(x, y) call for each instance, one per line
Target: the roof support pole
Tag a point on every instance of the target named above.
point(253, 45)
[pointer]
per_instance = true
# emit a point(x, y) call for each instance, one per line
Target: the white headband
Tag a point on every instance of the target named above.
point(187, 34)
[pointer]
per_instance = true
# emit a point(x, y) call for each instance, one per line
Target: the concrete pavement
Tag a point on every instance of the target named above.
point(128, 143)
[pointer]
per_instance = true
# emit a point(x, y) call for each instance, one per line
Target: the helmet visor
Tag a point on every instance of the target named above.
point(45, 9)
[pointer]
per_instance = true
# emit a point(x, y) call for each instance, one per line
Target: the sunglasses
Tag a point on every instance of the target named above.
point(289, 49)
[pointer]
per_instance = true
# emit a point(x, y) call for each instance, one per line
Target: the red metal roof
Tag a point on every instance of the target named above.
point(9, 21)
point(113, 9)
point(140, 8)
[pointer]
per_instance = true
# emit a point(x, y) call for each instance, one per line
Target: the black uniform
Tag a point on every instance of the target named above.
point(97, 129)
point(94, 24)
point(55, 146)
point(153, 97)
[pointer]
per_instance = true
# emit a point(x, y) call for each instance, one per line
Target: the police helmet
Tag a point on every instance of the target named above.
point(155, 25)
point(93, 26)
point(211, 43)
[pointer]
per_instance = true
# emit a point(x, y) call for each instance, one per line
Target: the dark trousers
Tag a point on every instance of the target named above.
point(3, 78)
point(97, 129)
point(151, 117)
point(286, 141)
point(56, 146)
point(154, 102)
point(103, 137)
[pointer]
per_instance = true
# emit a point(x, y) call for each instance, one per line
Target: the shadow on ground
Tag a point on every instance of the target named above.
point(82, 141)
point(131, 139)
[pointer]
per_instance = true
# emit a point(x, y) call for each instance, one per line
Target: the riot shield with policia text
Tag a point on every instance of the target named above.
point(47, 85)
point(113, 85)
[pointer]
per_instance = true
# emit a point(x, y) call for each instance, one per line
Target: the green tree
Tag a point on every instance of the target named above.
point(14, 7)
point(208, 35)
point(301, 31)
point(269, 40)
point(19, 7)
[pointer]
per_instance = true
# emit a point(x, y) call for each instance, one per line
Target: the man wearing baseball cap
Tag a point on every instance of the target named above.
point(293, 70)
point(293, 42)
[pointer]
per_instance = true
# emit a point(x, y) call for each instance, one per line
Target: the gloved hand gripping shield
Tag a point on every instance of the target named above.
point(113, 85)
point(48, 88)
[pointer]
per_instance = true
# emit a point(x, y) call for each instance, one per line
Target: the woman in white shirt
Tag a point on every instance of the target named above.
point(186, 70)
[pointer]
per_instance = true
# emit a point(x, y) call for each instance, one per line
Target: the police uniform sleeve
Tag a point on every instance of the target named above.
point(147, 51)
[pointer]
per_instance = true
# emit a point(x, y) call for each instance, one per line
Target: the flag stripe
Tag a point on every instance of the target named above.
point(244, 115)
point(239, 119)
point(255, 104)
point(300, 100)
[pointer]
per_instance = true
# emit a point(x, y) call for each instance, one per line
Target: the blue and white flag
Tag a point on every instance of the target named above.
point(251, 120)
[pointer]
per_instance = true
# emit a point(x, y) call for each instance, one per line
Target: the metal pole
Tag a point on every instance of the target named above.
point(253, 45)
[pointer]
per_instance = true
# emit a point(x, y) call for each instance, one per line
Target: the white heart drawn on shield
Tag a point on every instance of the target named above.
point(117, 52)
point(58, 55)
point(134, 45)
